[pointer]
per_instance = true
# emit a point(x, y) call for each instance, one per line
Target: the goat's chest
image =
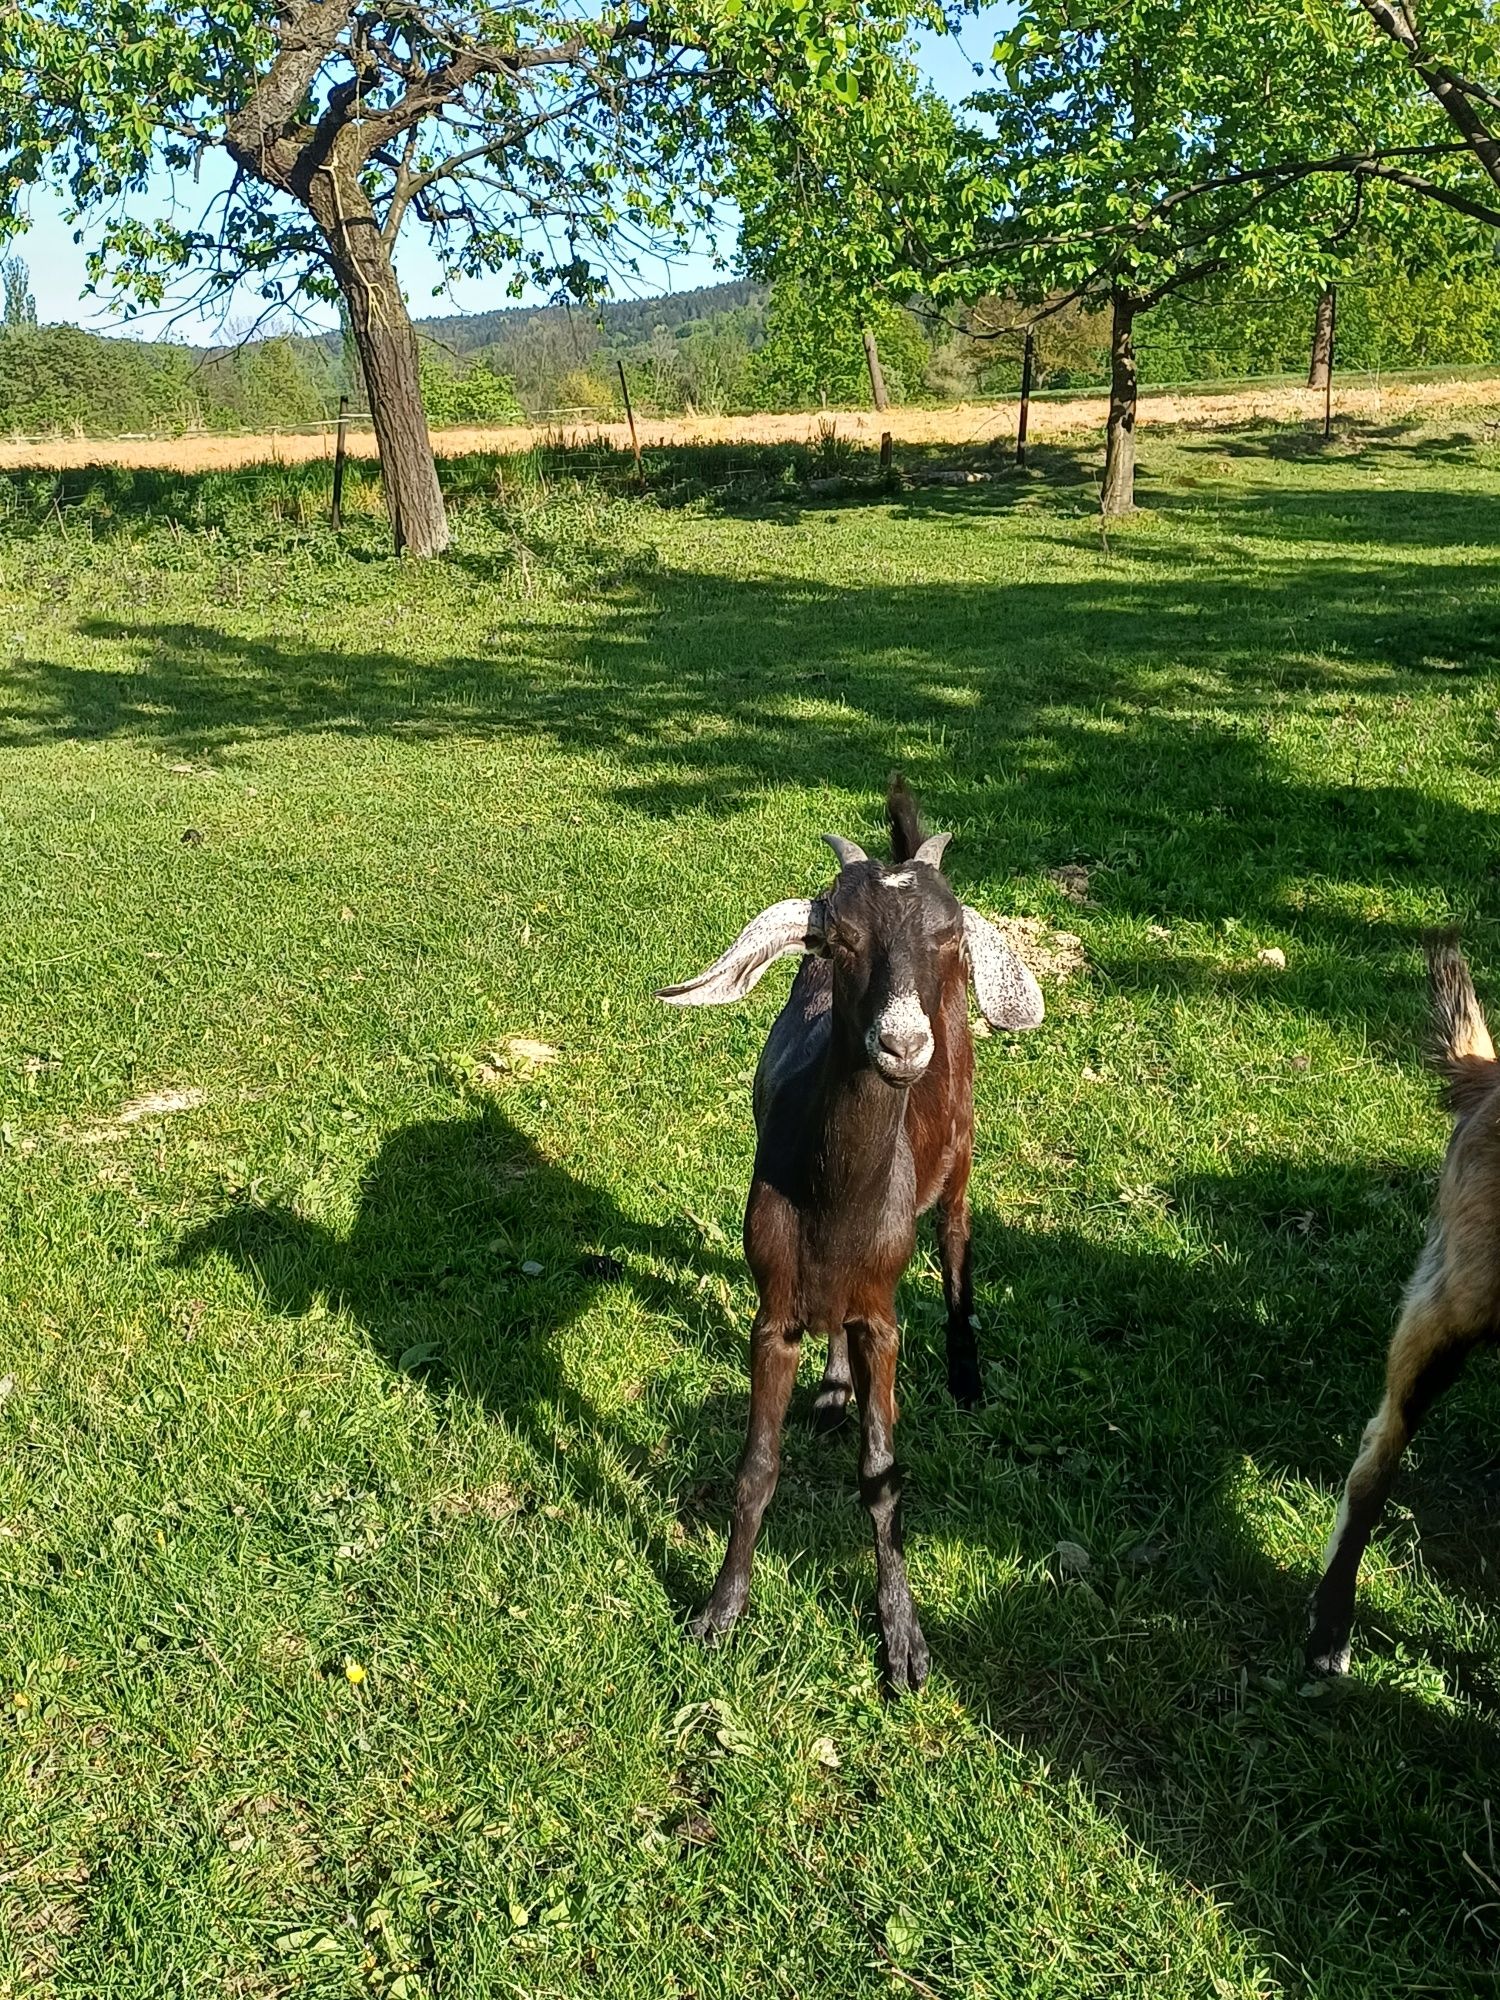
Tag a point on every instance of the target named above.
point(841, 1246)
point(854, 1276)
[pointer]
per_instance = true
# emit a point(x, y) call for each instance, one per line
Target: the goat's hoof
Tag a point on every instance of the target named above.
point(906, 1660)
point(1326, 1659)
point(713, 1624)
point(965, 1387)
point(830, 1407)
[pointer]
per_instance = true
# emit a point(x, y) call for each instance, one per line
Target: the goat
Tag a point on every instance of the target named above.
point(1452, 1302)
point(864, 1111)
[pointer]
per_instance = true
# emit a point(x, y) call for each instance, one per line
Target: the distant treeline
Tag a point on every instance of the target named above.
point(726, 348)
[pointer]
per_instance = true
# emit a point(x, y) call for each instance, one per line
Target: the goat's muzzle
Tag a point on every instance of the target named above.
point(899, 1042)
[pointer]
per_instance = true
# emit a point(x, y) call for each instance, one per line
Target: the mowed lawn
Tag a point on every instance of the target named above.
point(372, 1318)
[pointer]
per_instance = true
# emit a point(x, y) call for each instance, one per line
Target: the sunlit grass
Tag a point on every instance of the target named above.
point(369, 1421)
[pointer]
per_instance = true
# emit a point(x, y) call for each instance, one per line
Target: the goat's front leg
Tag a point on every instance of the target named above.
point(837, 1385)
point(873, 1347)
point(956, 1255)
point(774, 1348)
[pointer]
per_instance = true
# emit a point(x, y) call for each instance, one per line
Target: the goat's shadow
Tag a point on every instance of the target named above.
point(1127, 1392)
point(470, 1254)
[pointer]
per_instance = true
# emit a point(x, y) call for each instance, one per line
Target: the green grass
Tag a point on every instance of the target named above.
point(313, 833)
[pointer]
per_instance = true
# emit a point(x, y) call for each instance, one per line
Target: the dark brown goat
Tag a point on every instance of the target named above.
point(1452, 1303)
point(864, 1109)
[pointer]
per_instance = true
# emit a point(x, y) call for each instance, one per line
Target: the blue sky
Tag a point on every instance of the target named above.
point(59, 277)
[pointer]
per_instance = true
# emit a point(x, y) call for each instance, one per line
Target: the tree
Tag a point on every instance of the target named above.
point(492, 126)
point(1162, 146)
point(814, 350)
point(472, 395)
point(20, 305)
point(1136, 153)
point(273, 388)
point(59, 378)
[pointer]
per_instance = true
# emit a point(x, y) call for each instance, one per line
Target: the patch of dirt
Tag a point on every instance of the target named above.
point(963, 423)
point(1050, 954)
point(46, 1904)
point(497, 1502)
point(517, 1056)
point(158, 1104)
point(1072, 880)
point(135, 1110)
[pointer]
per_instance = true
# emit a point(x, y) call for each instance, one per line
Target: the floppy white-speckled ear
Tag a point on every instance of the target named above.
point(796, 925)
point(1008, 994)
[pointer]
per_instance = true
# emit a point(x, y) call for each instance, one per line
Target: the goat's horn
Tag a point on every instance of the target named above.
point(848, 851)
point(931, 850)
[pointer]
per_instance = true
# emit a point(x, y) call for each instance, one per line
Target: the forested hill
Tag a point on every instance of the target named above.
point(687, 348)
point(625, 321)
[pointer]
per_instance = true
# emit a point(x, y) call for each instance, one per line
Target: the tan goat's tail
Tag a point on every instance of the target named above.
point(1462, 1052)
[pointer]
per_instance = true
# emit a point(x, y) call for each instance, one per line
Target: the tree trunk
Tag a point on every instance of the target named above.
point(1118, 493)
point(1321, 364)
point(877, 373)
point(387, 344)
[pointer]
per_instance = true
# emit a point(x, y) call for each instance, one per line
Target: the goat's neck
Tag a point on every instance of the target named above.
point(860, 1120)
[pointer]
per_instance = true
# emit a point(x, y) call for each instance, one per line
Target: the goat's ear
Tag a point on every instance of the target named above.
point(796, 925)
point(1008, 995)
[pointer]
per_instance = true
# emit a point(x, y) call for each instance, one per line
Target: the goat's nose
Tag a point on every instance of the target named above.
point(904, 1045)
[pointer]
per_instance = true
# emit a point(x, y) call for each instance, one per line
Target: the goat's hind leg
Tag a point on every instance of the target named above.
point(774, 1348)
point(1427, 1354)
point(874, 1346)
point(956, 1255)
point(831, 1404)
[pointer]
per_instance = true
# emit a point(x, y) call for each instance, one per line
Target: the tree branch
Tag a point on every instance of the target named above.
point(428, 91)
point(1445, 84)
point(1275, 179)
point(1434, 191)
point(402, 189)
point(1208, 267)
point(970, 332)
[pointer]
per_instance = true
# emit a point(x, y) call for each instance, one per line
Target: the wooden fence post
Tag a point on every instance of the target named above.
point(640, 477)
point(336, 516)
point(1333, 320)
